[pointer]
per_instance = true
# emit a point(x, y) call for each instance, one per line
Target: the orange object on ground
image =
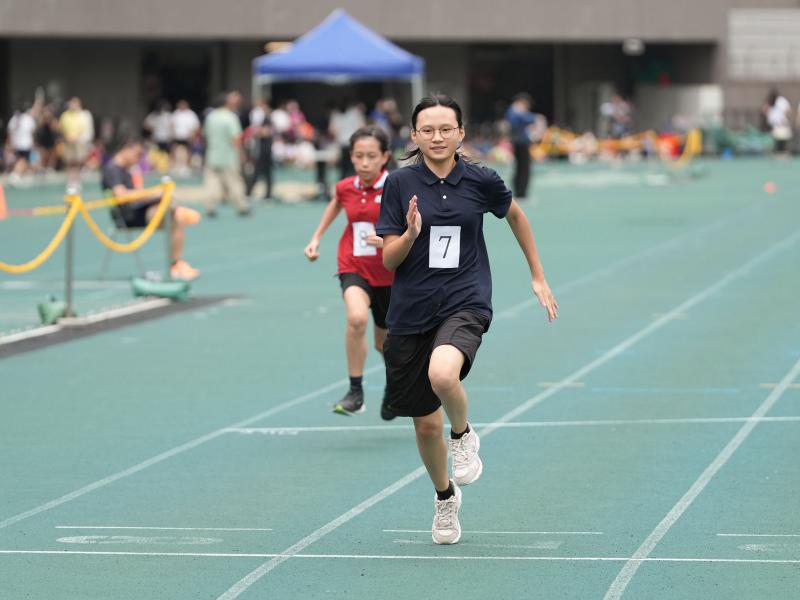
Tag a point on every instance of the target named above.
point(183, 271)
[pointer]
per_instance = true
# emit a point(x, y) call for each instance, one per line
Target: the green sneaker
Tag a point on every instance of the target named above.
point(351, 404)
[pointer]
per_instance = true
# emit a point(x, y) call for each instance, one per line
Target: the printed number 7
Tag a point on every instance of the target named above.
point(447, 247)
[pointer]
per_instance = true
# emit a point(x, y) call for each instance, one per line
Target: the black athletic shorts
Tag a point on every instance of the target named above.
point(378, 296)
point(408, 388)
point(132, 217)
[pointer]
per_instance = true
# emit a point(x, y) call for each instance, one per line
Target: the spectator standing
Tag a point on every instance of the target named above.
point(223, 170)
point(184, 126)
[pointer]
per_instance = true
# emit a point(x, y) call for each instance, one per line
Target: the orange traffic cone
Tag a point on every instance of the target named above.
point(3, 207)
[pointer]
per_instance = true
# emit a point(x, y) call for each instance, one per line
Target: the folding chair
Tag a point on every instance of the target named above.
point(119, 230)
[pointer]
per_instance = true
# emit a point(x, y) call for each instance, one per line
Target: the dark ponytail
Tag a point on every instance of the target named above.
point(373, 132)
point(430, 101)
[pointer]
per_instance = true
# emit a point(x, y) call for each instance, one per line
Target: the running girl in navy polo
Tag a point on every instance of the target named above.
point(365, 281)
point(432, 227)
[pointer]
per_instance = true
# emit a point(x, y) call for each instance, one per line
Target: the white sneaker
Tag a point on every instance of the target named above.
point(467, 465)
point(446, 528)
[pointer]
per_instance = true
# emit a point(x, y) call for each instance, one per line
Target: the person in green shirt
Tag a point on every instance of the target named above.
point(223, 171)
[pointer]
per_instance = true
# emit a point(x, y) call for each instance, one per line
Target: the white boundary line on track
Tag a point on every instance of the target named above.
point(29, 334)
point(214, 434)
point(89, 319)
point(175, 451)
point(778, 535)
point(63, 553)
point(428, 531)
point(248, 580)
point(542, 545)
point(514, 425)
point(627, 573)
point(164, 528)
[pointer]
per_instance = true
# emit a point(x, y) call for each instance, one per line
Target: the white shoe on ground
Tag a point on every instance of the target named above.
point(446, 529)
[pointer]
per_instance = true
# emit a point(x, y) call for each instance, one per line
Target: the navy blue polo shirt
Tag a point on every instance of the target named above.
point(447, 268)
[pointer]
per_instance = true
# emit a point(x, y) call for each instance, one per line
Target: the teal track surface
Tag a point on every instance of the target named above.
point(642, 446)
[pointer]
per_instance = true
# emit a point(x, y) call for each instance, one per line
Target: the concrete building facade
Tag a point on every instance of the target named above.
point(120, 56)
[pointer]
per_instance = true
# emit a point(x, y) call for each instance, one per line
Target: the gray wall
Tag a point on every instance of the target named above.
point(443, 20)
point(104, 74)
point(94, 48)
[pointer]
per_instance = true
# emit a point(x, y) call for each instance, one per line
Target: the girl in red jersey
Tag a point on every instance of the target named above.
point(364, 280)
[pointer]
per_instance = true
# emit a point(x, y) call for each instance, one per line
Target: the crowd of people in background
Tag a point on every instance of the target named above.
point(42, 138)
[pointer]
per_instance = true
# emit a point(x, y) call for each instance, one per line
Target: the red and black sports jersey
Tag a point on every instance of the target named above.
point(362, 205)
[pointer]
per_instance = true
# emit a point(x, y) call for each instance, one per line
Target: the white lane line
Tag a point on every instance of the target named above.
point(547, 545)
point(163, 528)
point(139, 540)
point(765, 535)
point(63, 553)
point(514, 425)
point(175, 451)
point(770, 386)
point(574, 384)
point(240, 586)
point(627, 573)
point(773, 547)
point(471, 532)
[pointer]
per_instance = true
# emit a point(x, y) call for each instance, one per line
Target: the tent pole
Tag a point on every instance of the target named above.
point(417, 90)
point(255, 89)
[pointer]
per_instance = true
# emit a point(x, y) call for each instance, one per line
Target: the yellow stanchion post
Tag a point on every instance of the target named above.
point(73, 195)
point(165, 181)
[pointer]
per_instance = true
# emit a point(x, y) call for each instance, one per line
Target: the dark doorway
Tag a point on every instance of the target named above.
point(498, 71)
point(175, 72)
point(5, 91)
point(317, 99)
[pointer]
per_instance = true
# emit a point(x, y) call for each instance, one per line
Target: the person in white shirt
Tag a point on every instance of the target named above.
point(281, 122)
point(185, 125)
point(159, 124)
point(343, 124)
point(778, 110)
point(21, 130)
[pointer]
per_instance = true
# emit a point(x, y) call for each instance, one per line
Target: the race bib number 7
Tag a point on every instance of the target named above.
point(445, 247)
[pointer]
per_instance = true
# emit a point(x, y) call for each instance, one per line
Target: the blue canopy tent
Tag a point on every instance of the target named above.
point(340, 50)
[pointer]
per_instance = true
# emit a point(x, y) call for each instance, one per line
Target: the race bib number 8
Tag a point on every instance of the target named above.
point(445, 247)
point(361, 231)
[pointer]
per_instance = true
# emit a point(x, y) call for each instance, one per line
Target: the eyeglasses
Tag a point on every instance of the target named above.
point(427, 133)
